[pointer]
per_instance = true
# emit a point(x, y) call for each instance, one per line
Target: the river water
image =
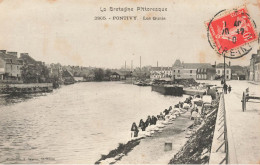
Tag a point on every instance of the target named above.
point(74, 124)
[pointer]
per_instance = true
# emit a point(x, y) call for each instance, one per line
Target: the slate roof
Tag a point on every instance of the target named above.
point(27, 59)
point(161, 68)
point(196, 65)
point(221, 65)
point(178, 64)
point(238, 69)
point(10, 59)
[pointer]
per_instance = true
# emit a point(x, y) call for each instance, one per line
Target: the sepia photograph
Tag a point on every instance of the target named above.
point(130, 82)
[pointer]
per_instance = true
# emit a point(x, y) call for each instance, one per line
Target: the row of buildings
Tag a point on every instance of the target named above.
point(254, 68)
point(199, 71)
point(11, 65)
point(25, 69)
point(206, 71)
point(14, 69)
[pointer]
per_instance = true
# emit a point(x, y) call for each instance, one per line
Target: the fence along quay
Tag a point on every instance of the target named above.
point(222, 149)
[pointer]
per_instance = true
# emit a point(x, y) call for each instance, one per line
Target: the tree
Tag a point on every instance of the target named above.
point(99, 74)
point(108, 73)
point(34, 73)
point(44, 74)
point(28, 74)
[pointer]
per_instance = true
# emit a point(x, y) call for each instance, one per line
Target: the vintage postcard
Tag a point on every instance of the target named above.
point(129, 82)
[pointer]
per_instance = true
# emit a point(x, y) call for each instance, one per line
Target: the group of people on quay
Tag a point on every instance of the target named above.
point(157, 122)
point(226, 87)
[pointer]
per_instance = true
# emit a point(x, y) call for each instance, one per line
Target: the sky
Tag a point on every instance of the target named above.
point(64, 31)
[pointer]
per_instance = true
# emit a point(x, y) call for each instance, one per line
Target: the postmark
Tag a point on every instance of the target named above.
point(230, 33)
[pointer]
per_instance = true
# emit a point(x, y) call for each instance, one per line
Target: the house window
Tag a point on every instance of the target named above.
point(174, 71)
point(227, 71)
point(190, 71)
point(178, 71)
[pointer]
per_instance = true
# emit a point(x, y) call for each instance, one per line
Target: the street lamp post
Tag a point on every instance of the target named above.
point(224, 69)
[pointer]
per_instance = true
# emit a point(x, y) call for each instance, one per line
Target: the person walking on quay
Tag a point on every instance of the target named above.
point(142, 125)
point(225, 88)
point(134, 130)
point(229, 89)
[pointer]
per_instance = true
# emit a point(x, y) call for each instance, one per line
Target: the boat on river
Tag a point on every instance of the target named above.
point(141, 83)
point(166, 89)
point(190, 91)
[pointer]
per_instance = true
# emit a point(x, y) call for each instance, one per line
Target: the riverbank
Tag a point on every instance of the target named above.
point(151, 149)
point(15, 89)
point(189, 140)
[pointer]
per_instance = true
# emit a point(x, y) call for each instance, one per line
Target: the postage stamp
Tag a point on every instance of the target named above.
point(231, 32)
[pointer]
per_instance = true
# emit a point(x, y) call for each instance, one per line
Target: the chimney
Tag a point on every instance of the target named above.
point(215, 63)
point(229, 63)
point(3, 51)
point(157, 64)
point(12, 54)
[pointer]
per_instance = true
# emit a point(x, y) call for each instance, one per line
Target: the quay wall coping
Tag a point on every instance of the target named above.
point(220, 152)
point(232, 157)
point(218, 149)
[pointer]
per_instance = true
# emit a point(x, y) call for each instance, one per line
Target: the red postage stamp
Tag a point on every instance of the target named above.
point(231, 30)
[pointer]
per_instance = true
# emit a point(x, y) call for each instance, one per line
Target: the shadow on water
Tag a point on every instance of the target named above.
point(17, 98)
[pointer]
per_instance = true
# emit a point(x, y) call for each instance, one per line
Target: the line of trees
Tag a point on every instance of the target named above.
point(102, 75)
point(35, 74)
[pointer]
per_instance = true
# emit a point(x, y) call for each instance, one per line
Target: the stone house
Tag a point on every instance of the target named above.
point(188, 70)
point(238, 72)
point(220, 71)
point(254, 68)
point(10, 66)
point(206, 72)
point(160, 72)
